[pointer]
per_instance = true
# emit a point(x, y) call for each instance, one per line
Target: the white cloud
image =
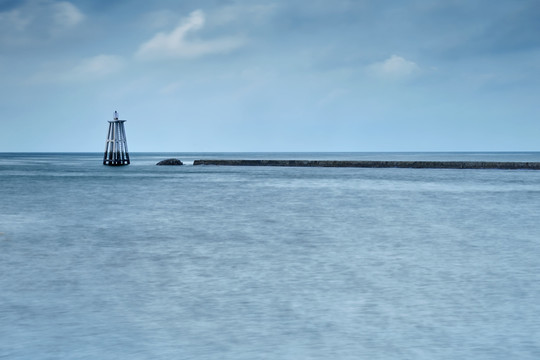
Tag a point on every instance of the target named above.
point(246, 13)
point(36, 20)
point(15, 20)
point(160, 19)
point(97, 66)
point(395, 67)
point(333, 95)
point(171, 88)
point(89, 69)
point(66, 14)
point(176, 44)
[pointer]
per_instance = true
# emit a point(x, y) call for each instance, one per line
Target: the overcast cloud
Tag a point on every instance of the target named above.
point(241, 75)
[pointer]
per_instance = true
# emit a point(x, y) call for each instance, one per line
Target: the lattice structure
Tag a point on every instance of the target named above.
point(116, 150)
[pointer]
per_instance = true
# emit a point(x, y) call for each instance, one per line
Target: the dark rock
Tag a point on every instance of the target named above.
point(170, 162)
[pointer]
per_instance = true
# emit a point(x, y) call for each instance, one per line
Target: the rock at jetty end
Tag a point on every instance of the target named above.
point(170, 162)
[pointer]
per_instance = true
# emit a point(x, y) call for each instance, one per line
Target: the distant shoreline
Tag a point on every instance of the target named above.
point(377, 164)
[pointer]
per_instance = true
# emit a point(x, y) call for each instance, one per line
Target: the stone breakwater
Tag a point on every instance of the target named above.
point(378, 164)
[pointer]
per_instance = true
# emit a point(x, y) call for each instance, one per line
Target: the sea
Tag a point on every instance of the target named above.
point(219, 262)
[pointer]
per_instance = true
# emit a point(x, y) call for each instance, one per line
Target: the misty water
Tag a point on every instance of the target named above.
point(207, 262)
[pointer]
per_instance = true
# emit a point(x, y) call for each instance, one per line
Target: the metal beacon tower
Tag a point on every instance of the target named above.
point(116, 150)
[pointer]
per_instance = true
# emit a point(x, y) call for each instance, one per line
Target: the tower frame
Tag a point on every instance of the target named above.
point(116, 149)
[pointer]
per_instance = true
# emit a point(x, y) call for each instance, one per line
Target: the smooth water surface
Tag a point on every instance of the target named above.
point(206, 262)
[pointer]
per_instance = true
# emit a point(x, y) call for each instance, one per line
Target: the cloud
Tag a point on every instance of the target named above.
point(257, 14)
point(66, 14)
point(15, 20)
point(333, 95)
point(13, 24)
point(38, 20)
point(176, 43)
point(159, 19)
point(88, 69)
point(97, 66)
point(395, 67)
point(171, 88)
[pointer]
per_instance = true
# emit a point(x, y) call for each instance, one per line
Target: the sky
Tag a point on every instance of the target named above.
point(260, 75)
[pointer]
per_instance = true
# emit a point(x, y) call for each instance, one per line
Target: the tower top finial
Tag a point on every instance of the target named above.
point(115, 115)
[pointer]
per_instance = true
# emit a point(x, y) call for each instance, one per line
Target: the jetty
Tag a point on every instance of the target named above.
point(377, 164)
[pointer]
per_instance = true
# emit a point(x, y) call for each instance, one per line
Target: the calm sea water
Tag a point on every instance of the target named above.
point(148, 262)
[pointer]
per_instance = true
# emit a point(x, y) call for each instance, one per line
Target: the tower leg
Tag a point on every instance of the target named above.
point(106, 155)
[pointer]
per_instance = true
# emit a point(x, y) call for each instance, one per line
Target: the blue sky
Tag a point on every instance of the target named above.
point(239, 75)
